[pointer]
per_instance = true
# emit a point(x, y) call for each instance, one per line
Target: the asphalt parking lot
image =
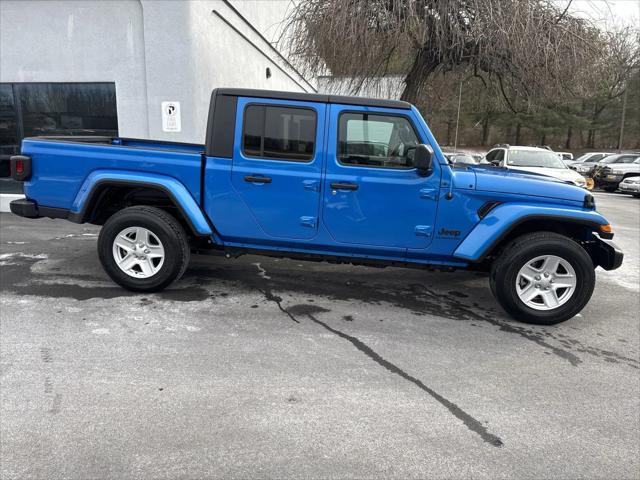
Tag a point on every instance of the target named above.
point(263, 368)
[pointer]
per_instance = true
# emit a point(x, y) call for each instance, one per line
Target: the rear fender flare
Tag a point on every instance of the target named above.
point(172, 187)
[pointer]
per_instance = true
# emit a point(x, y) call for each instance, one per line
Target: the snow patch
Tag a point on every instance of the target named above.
point(261, 271)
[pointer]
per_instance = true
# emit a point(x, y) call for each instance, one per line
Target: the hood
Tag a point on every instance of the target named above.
point(565, 174)
point(492, 179)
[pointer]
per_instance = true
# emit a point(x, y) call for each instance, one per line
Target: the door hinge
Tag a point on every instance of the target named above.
point(308, 221)
point(423, 230)
point(313, 185)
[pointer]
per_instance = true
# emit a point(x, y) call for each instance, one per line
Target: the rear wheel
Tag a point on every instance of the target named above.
point(543, 278)
point(143, 249)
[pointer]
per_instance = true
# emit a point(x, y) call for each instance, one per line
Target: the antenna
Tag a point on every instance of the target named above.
point(449, 194)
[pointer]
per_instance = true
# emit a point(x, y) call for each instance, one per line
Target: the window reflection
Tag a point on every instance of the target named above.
point(36, 109)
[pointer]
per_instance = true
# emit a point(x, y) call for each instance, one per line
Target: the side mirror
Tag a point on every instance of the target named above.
point(422, 159)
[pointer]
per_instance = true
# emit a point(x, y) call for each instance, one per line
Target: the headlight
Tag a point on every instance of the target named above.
point(581, 182)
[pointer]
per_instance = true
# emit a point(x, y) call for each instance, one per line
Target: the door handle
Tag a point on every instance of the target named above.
point(254, 179)
point(344, 186)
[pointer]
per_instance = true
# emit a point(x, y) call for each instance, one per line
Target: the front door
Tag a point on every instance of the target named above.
point(277, 166)
point(373, 196)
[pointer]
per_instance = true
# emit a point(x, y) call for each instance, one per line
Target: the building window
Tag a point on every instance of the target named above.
point(279, 133)
point(37, 109)
point(367, 140)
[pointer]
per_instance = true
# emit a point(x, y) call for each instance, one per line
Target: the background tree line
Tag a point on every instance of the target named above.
point(523, 71)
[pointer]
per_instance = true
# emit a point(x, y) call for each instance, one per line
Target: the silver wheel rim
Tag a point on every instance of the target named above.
point(138, 252)
point(546, 282)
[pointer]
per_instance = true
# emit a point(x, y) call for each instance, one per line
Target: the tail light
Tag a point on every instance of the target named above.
point(20, 167)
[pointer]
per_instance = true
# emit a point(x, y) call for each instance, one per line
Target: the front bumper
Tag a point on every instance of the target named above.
point(630, 187)
point(609, 180)
point(606, 254)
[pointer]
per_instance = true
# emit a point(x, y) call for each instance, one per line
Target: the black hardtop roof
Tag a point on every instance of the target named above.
point(311, 97)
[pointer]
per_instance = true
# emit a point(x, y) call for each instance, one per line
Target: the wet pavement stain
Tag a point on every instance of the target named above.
point(469, 421)
point(415, 298)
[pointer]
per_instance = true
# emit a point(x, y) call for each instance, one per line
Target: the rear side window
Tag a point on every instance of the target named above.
point(627, 159)
point(376, 141)
point(279, 133)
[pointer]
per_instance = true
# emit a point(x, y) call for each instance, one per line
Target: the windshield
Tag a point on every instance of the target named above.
point(534, 158)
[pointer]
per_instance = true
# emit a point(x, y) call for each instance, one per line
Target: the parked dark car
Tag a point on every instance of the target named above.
point(610, 176)
point(590, 169)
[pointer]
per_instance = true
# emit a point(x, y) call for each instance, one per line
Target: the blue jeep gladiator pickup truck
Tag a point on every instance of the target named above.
point(320, 177)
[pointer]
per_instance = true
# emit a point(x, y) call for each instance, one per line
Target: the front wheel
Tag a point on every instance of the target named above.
point(143, 249)
point(543, 278)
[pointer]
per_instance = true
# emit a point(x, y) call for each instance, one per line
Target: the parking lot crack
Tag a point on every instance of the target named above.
point(269, 295)
point(469, 421)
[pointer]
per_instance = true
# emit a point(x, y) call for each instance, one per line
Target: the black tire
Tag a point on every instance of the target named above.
point(610, 189)
point(165, 227)
point(504, 273)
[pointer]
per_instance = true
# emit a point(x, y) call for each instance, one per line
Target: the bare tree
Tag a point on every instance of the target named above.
point(527, 48)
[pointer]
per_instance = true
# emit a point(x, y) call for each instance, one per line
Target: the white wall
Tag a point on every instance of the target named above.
point(154, 50)
point(78, 41)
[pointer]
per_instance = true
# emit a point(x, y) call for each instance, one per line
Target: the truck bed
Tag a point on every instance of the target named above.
point(125, 142)
point(80, 156)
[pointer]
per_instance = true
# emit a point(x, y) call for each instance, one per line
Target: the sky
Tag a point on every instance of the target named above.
point(607, 13)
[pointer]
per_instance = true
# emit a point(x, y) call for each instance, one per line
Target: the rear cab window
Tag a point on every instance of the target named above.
point(276, 132)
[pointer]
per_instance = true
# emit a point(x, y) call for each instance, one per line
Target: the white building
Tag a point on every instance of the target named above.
point(106, 67)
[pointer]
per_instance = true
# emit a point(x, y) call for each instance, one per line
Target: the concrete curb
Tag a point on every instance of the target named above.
point(6, 199)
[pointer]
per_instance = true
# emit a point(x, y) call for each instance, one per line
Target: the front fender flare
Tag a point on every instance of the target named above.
point(172, 187)
point(504, 218)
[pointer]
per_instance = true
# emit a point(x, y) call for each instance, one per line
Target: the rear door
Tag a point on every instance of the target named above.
point(373, 195)
point(277, 165)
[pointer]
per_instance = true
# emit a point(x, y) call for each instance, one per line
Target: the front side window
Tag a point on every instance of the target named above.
point(376, 141)
point(281, 133)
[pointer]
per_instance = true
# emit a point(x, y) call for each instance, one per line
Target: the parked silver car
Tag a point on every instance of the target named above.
point(631, 185)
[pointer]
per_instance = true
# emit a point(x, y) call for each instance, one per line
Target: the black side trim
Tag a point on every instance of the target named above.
point(484, 210)
point(314, 97)
point(234, 252)
point(222, 125)
point(594, 226)
point(53, 212)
